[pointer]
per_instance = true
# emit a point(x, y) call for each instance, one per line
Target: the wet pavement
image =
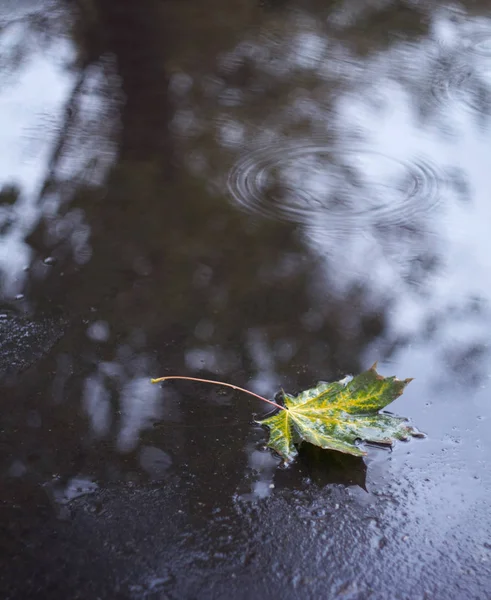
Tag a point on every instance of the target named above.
point(269, 194)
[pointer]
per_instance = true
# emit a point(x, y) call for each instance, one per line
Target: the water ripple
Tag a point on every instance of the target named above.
point(465, 86)
point(482, 44)
point(317, 185)
point(478, 40)
point(464, 77)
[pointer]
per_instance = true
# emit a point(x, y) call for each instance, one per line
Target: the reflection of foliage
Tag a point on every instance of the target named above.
point(164, 252)
point(367, 27)
point(292, 80)
point(8, 197)
point(27, 33)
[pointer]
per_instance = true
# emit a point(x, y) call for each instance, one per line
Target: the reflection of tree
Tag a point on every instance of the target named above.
point(28, 31)
point(134, 36)
point(178, 275)
point(281, 85)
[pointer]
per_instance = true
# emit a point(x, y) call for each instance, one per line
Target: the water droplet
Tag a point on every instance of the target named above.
point(50, 261)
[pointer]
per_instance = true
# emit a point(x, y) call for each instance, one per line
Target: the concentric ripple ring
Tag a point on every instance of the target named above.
point(318, 185)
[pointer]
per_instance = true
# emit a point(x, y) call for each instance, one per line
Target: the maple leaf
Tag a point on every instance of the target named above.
point(337, 415)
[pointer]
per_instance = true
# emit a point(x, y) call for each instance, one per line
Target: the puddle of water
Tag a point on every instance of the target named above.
point(269, 195)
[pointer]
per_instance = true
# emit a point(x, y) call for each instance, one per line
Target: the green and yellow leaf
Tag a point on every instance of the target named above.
point(338, 415)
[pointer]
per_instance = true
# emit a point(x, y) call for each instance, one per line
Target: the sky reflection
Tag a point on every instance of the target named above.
point(303, 202)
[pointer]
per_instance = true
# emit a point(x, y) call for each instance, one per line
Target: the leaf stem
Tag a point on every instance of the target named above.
point(234, 387)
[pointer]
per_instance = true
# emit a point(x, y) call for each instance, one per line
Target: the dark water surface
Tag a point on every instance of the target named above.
point(264, 193)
